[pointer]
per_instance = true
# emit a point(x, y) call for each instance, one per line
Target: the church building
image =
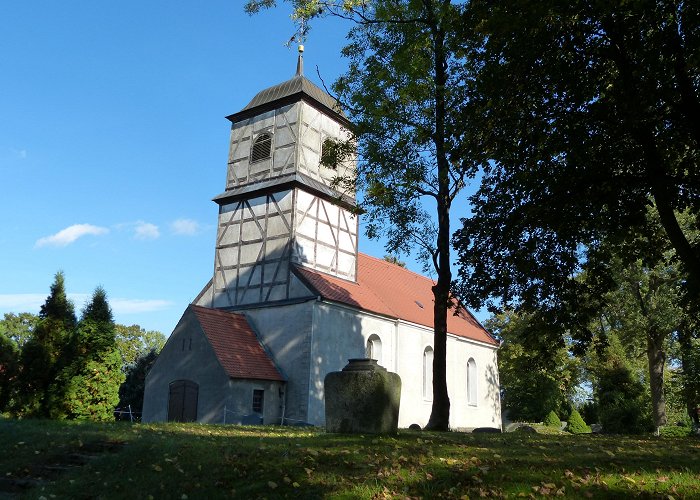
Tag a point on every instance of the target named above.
point(292, 299)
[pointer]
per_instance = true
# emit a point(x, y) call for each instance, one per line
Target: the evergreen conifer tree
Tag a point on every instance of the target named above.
point(576, 424)
point(88, 385)
point(41, 358)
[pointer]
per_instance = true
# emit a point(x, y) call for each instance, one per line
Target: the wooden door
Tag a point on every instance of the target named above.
point(182, 401)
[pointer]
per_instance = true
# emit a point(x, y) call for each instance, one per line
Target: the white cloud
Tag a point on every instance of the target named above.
point(146, 231)
point(21, 154)
point(68, 235)
point(21, 302)
point(133, 306)
point(32, 302)
point(184, 227)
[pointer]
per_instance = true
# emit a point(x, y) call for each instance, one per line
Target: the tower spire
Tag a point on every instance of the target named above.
point(300, 61)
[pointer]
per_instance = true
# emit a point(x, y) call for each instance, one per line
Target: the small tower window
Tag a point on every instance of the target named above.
point(330, 153)
point(261, 148)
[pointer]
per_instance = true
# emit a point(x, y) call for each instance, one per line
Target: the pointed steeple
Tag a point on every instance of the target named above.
point(300, 61)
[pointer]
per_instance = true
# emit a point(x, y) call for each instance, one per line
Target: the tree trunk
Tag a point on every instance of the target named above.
point(440, 412)
point(690, 368)
point(657, 361)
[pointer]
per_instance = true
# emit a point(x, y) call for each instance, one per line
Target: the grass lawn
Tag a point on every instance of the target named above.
point(190, 461)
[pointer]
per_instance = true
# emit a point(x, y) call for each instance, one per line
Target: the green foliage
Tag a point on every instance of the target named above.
point(680, 431)
point(131, 391)
point(576, 425)
point(92, 392)
point(134, 342)
point(41, 356)
point(623, 408)
point(18, 327)
point(557, 84)
point(69, 369)
point(552, 420)
point(535, 375)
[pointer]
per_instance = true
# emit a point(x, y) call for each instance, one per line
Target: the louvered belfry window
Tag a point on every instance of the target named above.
point(261, 148)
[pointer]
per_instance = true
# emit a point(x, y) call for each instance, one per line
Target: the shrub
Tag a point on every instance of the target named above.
point(576, 424)
point(622, 406)
point(552, 420)
point(675, 431)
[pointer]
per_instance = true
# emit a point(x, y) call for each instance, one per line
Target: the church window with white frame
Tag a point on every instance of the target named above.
point(262, 148)
point(373, 350)
point(471, 382)
point(428, 373)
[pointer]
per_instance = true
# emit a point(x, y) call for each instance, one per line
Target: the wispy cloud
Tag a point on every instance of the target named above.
point(22, 302)
point(70, 234)
point(134, 306)
point(146, 231)
point(32, 302)
point(21, 153)
point(185, 227)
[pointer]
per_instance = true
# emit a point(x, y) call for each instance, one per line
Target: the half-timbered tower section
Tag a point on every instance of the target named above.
point(280, 206)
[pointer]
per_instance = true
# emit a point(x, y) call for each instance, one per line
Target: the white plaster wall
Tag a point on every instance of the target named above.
point(340, 333)
point(487, 410)
point(412, 341)
point(286, 333)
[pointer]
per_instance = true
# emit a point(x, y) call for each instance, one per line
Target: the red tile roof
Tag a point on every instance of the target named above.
point(236, 345)
point(393, 291)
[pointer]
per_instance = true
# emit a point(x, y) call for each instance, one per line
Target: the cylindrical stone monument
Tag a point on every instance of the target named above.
point(363, 398)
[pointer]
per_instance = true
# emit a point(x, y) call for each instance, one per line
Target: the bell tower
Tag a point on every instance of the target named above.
point(280, 207)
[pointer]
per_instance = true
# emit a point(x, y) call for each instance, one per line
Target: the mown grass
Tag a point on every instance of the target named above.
point(190, 461)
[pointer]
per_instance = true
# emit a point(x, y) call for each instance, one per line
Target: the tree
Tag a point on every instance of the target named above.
point(15, 330)
point(135, 342)
point(18, 327)
point(590, 114)
point(403, 89)
point(8, 369)
point(131, 391)
point(536, 375)
point(41, 354)
point(88, 385)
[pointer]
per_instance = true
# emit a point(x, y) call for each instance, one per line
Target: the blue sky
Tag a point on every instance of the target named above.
point(113, 142)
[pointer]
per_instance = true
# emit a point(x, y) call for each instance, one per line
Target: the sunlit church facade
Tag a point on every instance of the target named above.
point(291, 298)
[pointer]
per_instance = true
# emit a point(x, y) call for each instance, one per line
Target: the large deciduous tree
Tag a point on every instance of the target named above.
point(536, 375)
point(403, 90)
point(590, 114)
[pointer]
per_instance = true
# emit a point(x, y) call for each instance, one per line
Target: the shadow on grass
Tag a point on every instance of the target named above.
point(199, 461)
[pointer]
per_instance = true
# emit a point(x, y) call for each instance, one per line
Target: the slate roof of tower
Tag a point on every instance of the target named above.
point(236, 346)
point(297, 88)
point(393, 291)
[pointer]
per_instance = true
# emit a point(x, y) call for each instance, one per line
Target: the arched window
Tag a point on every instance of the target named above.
point(374, 348)
point(471, 382)
point(428, 373)
point(261, 148)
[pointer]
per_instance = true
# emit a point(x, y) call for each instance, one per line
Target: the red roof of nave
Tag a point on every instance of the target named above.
point(236, 346)
point(391, 290)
